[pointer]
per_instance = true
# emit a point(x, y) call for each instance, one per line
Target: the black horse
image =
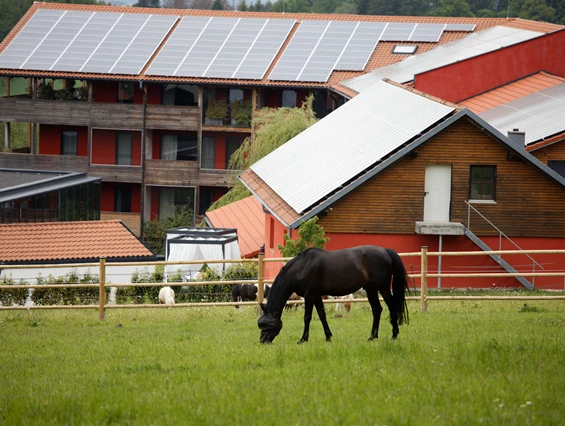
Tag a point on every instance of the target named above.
point(315, 273)
point(246, 293)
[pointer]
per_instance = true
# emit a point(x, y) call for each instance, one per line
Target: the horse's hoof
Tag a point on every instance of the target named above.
point(394, 336)
point(371, 338)
point(329, 339)
point(301, 341)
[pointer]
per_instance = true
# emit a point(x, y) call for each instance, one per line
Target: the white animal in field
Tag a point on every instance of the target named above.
point(167, 296)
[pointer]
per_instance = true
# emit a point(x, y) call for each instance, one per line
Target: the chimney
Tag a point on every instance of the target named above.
point(518, 137)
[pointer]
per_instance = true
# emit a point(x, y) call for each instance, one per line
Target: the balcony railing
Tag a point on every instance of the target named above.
point(163, 172)
point(101, 115)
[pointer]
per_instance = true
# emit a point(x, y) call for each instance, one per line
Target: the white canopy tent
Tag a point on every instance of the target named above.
point(190, 243)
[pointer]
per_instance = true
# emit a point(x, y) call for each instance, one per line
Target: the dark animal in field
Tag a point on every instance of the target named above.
point(243, 293)
point(315, 273)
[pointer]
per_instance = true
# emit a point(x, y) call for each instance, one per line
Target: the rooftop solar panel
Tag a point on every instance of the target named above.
point(396, 31)
point(460, 27)
point(263, 50)
point(360, 46)
point(29, 38)
point(430, 33)
point(179, 45)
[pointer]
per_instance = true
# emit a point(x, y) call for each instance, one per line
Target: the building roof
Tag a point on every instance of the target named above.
point(69, 241)
point(540, 114)
point(431, 117)
point(15, 184)
point(248, 218)
point(511, 91)
point(381, 56)
point(475, 44)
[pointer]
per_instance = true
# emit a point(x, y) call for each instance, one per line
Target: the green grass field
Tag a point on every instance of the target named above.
point(471, 362)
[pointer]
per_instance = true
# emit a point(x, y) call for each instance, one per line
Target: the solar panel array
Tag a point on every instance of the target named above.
point(221, 47)
point(201, 46)
point(96, 42)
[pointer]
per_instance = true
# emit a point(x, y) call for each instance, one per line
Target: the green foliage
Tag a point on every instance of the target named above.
point(154, 231)
point(67, 295)
point(310, 235)
point(148, 3)
point(18, 135)
point(141, 294)
point(220, 292)
point(217, 109)
point(275, 127)
point(242, 112)
point(15, 296)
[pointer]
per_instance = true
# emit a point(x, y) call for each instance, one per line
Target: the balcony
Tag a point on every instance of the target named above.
point(98, 114)
point(165, 172)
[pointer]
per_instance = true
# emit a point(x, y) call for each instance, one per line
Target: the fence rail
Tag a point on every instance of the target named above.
point(261, 280)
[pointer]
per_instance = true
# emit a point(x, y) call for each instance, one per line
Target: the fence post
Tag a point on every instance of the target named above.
point(424, 280)
point(102, 293)
point(260, 277)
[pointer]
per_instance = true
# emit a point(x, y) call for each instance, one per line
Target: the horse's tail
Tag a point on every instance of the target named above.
point(399, 286)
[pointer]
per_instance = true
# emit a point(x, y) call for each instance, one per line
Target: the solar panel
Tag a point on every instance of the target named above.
point(460, 27)
point(29, 38)
point(360, 46)
point(206, 47)
point(144, 44)
point(429, 33)
point(396, 31)
point(264, 49)
point(85, 42)
point(235, 48)
point(323, 59)
point(298, 51)
point(179, 45)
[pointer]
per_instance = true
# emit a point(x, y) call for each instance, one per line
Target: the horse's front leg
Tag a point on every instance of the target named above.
point(322, 315)
point(308, 307)
point(377, 309)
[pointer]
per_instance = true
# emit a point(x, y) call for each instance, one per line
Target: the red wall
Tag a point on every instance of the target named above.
point(154, 94)
point(470, 77)
point(107, 91)
point(449, 264)
point(50, 139)
point(272, 98)
point(104, 147)
point(107, 196)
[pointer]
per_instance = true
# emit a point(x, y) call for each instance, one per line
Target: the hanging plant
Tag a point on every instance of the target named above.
point(242, 112)
point(217, 109)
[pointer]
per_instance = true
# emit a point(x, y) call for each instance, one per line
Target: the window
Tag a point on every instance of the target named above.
point(232, 145)
point(69, 143)
point(169, 198)
point(288, 98)
point(206, 200)
point(125, 92)
point(404, 49)
point(208, 152)
point(558, 166)
point(483, 183)
point(236, 95)
point(122, 199)
point(180, 94)
point(179, 147)
point(124, 146)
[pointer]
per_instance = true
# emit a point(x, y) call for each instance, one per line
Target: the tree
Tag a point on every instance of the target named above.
point(242, 6)
point(148, 3)
point(175, 4)
point(201, 4)
point(154, 231)
point(218, 5)
point(310, 235)
point(451, 8)
point(537, 10)
point(275, 126)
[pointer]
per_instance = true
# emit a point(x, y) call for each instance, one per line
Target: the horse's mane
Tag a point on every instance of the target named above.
point(275, 288)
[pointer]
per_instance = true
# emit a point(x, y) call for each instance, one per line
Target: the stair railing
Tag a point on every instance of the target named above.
point(500, 235)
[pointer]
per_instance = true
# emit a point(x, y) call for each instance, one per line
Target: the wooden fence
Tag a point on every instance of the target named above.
point(423, 276)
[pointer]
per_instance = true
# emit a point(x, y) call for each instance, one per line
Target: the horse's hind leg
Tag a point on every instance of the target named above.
point(393, 314)
point(308, 307)
point(322, 315)
point(376, 307)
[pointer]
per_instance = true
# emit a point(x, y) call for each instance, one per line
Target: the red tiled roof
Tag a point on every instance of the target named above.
point(24, 242)
point(248, 218)
point(511, 91)
point(381, 56)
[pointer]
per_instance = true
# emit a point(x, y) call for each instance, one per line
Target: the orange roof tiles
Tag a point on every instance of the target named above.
point(248, 218)
point(28, 242)
point(511, 91)
point(381, 56)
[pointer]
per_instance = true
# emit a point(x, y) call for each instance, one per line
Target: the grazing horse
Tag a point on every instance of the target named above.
point(167, 296)
point(243, 293)
point(316, 272)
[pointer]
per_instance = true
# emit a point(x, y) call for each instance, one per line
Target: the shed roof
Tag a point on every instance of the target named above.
point(382, 55)
point(68, 241)
point(248, 218)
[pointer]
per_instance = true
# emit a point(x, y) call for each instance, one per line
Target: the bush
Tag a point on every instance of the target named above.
point(142, 294)
point(67, 295)
point(15, 296)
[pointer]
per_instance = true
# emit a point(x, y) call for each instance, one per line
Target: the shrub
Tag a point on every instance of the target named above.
point(67, 295)
point(15, 296)
point(141, 294)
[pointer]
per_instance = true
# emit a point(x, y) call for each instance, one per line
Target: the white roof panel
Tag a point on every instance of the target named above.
point(346, 142)
point(473, 45)
point(539, 115)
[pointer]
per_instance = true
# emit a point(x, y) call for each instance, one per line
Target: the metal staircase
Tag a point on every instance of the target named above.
point(497, 258)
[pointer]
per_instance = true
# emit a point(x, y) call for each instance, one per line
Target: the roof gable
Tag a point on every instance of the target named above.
point(64, 241)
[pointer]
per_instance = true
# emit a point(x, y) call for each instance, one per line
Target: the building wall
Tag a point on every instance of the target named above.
point(107, 196)
point(104, 147)
point(464, 79)
point(551, 152)
point(50, 139)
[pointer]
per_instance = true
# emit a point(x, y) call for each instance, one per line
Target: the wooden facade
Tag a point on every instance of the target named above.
point(528, 204)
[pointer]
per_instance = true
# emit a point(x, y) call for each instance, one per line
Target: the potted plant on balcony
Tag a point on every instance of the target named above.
point(216, 112)
point(241, 113)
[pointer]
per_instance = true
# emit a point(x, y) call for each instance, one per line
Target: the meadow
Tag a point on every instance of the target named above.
point(464, 362)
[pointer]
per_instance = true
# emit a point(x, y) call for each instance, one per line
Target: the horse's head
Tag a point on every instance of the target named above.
point(269, 325)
